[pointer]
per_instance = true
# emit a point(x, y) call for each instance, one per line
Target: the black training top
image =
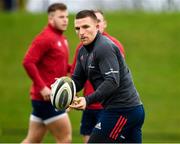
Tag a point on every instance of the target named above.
point(103, 65)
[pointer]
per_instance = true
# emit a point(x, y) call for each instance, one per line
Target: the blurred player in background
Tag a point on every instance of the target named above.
point(92, 112)
point(45, 60)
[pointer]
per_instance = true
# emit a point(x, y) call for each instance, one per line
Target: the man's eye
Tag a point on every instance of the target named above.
point(85, 26)
point(77, 28)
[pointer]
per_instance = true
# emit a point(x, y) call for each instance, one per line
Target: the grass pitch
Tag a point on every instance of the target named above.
point(152, 44)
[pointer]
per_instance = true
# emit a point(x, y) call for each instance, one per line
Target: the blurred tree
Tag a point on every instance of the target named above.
point(11, 5)
point(21, 4)
point(171, 5)
point(1, 5)
point(8, 5)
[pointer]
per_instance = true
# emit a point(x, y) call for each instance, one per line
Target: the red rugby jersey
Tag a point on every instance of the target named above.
point(46, 59)
point(88, 88)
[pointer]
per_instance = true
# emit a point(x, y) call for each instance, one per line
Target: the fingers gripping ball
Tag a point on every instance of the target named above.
point(63, 91)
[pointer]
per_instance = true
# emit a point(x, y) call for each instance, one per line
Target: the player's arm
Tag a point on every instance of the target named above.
point(109, 67)
point(75, 58)
point(78, 75)
point(30, 61)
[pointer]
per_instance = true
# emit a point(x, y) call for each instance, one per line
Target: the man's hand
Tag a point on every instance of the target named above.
point(78, 103)
point(45, 92)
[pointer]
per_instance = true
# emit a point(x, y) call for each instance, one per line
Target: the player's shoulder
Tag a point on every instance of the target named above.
point(107, 46)
point(103, 46)
point(115, 41)
point(45, 36)
point(111, 37)
point(39, 39)
point(104, 42)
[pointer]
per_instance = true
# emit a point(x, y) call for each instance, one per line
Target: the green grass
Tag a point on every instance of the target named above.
point(152, 44)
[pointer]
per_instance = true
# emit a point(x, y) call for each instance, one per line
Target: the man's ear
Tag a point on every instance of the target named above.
point(50, 19)
point(97, 26)
point(105, 24)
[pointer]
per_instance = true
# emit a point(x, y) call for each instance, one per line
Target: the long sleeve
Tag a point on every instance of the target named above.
point(109, 67)
point(79, 75)
point(30, 62)
point(75, 58)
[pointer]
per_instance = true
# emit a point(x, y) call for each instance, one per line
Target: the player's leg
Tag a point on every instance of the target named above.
point(102, 128)
point(87, 124)
point(136, 132)
point(36, 130)
point(86, 138)
point(57, 122)
point(89, 119)
point(119, 125)
point(60, 127)
point(110, 127)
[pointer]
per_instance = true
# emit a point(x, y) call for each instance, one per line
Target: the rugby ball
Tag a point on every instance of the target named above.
point(63, 91)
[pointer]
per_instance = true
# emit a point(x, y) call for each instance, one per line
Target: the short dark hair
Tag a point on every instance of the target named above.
point(56, 6)
point(86, 13)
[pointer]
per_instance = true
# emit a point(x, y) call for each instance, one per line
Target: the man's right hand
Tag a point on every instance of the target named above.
point(78, 103)
point(45, 92)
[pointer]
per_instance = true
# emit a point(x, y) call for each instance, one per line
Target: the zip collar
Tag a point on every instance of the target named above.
point(90, 46)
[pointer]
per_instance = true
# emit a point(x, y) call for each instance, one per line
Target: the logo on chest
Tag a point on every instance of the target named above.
point(90, 61)
point(91, 66)
point(59, 44)
point(91, 57)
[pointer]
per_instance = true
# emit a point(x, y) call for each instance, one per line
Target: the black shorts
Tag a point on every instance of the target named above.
point(44, 112)
point(89, 119)
point(119, 125)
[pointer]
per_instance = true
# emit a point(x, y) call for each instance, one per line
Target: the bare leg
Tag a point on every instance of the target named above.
point(85, 138)
point(36, 132)
point(61, 129)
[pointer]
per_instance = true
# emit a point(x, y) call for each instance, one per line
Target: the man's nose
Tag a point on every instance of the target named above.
point(81, 31)
point(66, 20)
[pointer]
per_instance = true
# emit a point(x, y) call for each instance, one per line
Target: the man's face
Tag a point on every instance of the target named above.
point(59, 19)
point(101, 22)
point(86, 29)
